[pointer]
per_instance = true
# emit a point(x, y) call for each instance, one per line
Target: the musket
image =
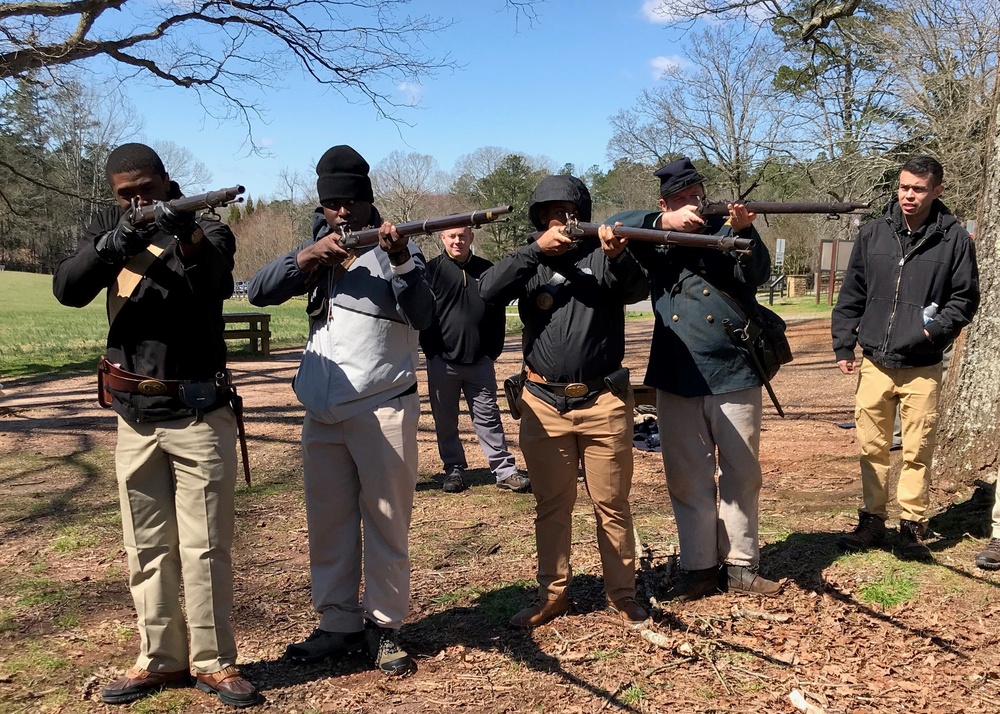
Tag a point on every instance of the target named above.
point(728, 244)
point(830, 210)
point(360, 239)
point(190, 204)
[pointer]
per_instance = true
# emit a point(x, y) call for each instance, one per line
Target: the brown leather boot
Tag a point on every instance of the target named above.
point(541, 612)
point(138, 683)
point(230, 686)
point(695, 584)
point(631, 613)
point(746, 579)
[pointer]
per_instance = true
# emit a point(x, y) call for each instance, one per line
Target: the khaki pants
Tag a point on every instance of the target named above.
point(553, 445)
point(360, 475)
point(878, 392)
point(701, 437)
point(176, 481)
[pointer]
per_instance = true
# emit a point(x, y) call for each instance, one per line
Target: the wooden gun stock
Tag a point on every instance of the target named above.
point(360, 239)
point(190, 204)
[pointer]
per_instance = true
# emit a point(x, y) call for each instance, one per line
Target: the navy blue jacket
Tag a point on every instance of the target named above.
point(691, 354)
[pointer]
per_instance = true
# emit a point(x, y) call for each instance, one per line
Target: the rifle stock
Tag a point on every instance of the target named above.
point(831, 209)
point(190, 204)
point(727, 244)
point(360, 239)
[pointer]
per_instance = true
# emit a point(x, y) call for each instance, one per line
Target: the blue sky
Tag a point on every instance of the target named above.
point(546, 89)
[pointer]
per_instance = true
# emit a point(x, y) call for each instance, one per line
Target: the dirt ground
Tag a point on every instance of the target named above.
point(860, 633)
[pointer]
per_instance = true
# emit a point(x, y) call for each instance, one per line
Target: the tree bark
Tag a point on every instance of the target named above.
point(969, 431)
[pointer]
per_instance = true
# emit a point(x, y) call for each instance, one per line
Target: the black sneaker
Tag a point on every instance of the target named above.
point(870, 532)
point(989, 557)
point(911, 541)
point(453, 481)
point(322, 644)
point(385, 651)
point(518, 483)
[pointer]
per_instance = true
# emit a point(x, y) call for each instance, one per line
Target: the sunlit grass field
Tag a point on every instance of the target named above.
point(38, 335)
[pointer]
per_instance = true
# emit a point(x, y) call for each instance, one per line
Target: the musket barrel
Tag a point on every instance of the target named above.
point(189, 204)
point(721, 208)
point(652, 235)
point(360, 239)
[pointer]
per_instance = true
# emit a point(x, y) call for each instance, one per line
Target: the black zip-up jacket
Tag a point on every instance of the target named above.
point(893, 277)
point(171, 326)
point(466, 328)
point(572, 307)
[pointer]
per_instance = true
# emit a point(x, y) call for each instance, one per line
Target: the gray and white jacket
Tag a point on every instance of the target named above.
point(363, 336)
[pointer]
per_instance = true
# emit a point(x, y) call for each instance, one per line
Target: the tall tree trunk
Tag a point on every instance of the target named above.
point(969, 435)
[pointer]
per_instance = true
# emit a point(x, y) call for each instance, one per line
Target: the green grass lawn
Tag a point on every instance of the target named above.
point(38, 335)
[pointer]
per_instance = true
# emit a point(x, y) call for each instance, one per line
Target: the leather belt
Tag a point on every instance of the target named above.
point(122, 381)
point(566, 389)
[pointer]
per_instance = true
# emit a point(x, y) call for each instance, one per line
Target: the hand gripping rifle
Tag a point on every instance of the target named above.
point(830, 210)
point(190, 204)
point(728, 244)
point(360, 239)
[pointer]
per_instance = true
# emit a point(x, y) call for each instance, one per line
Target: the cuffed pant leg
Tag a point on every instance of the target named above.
point(918, 390)
point(444, 388)
point(736, 420)
point(551, 452)
point(384, 446)
point(333, 513)
point(203, 456)
point(149, 527)
point(874, 412)
point(689, 462)
point(480, 387)
point(605, 435)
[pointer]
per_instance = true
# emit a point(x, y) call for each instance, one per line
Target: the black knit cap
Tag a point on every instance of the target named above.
point(343, 173)
point(677, 176)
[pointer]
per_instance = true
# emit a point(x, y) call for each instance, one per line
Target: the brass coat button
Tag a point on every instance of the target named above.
point(710, 318)
point(675, 318)
point(705, 293)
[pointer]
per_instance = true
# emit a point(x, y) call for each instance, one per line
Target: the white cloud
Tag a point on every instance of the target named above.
point(412, 92)
point(662, 65)
point(267, 142)
point(658, 12)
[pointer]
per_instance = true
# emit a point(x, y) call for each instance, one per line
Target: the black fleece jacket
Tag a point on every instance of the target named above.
point(893, 276)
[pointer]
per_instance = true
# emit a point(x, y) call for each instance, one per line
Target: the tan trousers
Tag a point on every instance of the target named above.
point(878, 392)
point(553, 445)
point(176, 481)
point(360, 475)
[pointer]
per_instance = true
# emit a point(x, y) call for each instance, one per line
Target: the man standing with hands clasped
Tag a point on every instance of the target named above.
point(460, 347)
point(911, 286)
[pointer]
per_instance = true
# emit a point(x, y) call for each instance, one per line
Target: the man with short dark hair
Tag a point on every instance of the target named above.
point(460, 346)
point(577, 401)
point(358, 383)
point(165, 376)
point(708, 393)
point(911, 286)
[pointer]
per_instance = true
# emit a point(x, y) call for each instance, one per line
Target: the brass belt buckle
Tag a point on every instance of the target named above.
point(575, 389)
point(152, 387)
